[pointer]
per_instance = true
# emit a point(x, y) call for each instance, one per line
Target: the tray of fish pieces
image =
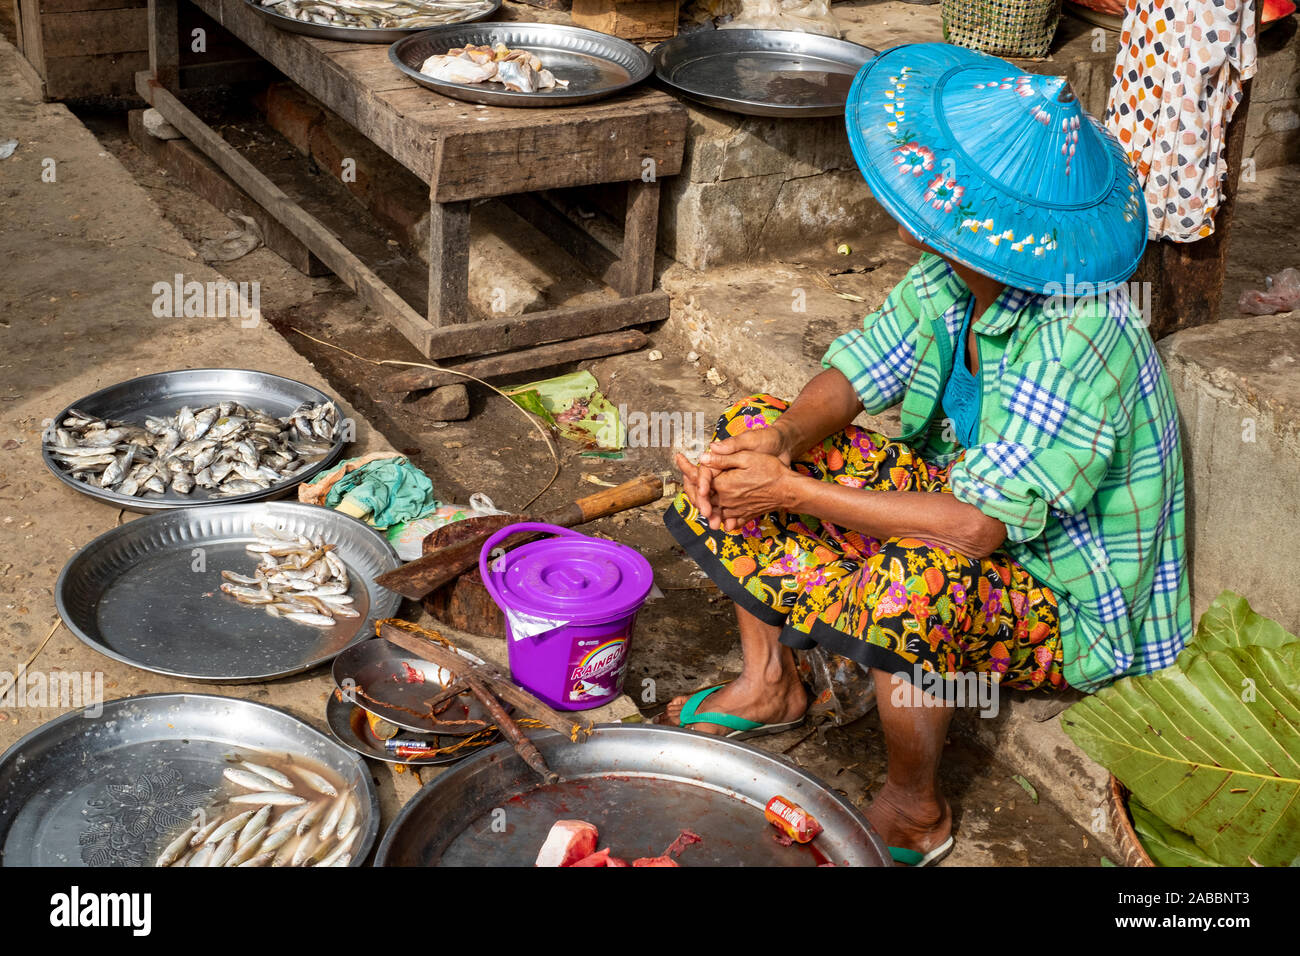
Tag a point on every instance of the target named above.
point(370, 21)
point(658, 796)
point(183, 780)
point(372, 736)
point(231, 593)
point(520, 64)
point(194, 437)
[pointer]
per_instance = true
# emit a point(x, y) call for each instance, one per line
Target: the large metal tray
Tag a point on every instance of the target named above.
point(640, 786)
point(595, 64)
point(762, 72)
point(107, 789)
point(134, 594)
point(163, 393)
point(352, 34)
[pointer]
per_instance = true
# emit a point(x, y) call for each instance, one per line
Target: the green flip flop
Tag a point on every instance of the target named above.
point(741, 727)
point(915, 858)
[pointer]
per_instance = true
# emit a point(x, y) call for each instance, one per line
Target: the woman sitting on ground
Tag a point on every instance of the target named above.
point(1027, 526)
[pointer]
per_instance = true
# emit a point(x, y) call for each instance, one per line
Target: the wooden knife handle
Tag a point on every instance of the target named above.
point(610, 501)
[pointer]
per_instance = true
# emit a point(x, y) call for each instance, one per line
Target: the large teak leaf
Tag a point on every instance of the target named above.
point(1211, 746)
point(1230, 622)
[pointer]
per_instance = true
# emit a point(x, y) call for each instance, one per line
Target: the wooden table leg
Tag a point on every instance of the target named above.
point(449, 263)
point(640, 229)
point(164, 43)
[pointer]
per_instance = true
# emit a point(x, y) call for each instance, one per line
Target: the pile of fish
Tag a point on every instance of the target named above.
point(226, 449)
point(517, 70)
point(298, 578)
point(379, 14)
point(246, 831)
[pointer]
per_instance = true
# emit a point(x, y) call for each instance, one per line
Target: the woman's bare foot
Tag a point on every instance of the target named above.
point(903, 821)
point(767, 702)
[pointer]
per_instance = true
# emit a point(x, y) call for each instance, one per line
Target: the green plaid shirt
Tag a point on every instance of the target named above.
point(1077, 451)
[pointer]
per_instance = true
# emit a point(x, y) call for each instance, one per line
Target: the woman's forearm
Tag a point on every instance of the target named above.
point(826, 405)
point(931, 516)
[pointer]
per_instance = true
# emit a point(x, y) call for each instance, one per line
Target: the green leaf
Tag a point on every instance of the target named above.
point(1165, 845)
point(1212, 748)
point(1028, 787)
point(1230, 622)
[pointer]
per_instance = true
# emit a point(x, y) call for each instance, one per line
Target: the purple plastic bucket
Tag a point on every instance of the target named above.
point(595, 586)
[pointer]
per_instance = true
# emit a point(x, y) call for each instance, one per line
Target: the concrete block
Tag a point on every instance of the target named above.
point(1237, 384)
point(157, 127)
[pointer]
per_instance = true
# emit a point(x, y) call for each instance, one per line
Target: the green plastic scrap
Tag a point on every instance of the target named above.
point(383, 493)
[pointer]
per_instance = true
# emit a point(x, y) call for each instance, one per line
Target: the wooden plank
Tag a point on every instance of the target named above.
point(640, 234)
point(256, 72)
point(98, 31)
point(372, 290)
point(512, 363)
point(191, 168)
point(553, 325)
point(74, 6)
point(106, 74)
point(449, 264)
point(478, 162)
point(164, 42)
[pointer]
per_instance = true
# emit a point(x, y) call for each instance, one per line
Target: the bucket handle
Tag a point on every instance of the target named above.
point(512, 529)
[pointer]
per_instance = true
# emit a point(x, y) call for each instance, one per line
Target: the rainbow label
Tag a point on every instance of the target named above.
point(599, 672)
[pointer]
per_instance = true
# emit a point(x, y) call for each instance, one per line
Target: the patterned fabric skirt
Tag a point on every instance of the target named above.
point(902, 605)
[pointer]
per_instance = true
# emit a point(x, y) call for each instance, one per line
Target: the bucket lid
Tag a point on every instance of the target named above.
point(573, 578)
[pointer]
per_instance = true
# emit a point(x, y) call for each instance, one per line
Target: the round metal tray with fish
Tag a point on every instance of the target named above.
point(762, 72)
point(163, 394)
point(328, 31)
point(383, 679)
point(594, 64)
point(111, 785)
point(640, 786)
point(148, 593)
point(347, 722)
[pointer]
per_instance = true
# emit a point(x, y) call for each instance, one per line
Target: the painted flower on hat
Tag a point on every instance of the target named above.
point(913, 158)
point(943, 193)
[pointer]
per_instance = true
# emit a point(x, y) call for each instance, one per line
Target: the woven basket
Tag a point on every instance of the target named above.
point(1122, 824)
point(1020, 28)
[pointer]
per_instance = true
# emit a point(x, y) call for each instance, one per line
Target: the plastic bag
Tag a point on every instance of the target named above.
point(841, 688)
point(804, 16)
point(1281, 293)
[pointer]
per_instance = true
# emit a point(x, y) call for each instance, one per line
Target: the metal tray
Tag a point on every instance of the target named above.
point(596, 65)
point(164, 393)
point(640, 786)
point(762, 72)
point(352, 34)
point(134, 594)
point(107, 790)
point(377, 663)
point(347, 722)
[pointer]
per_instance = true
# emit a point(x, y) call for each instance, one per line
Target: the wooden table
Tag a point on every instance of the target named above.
point(464, 153)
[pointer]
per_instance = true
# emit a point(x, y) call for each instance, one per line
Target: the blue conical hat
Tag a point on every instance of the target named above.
point(998, 168)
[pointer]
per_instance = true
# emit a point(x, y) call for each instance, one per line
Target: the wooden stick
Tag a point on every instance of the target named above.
point(431, 571)
point(523, 746)
point(505, 689)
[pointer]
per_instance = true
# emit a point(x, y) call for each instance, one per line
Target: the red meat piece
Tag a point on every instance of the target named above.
point(601, 858)
point(655, 861)
point(568, 842)
point(686, 838)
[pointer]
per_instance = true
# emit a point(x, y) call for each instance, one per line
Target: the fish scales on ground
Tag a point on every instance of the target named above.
point(225, 449)
point(299, 579)
point(379, 14)
point(265, 824)
point(517, 70)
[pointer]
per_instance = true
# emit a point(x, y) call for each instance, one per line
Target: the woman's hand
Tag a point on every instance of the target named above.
point(747, 485)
